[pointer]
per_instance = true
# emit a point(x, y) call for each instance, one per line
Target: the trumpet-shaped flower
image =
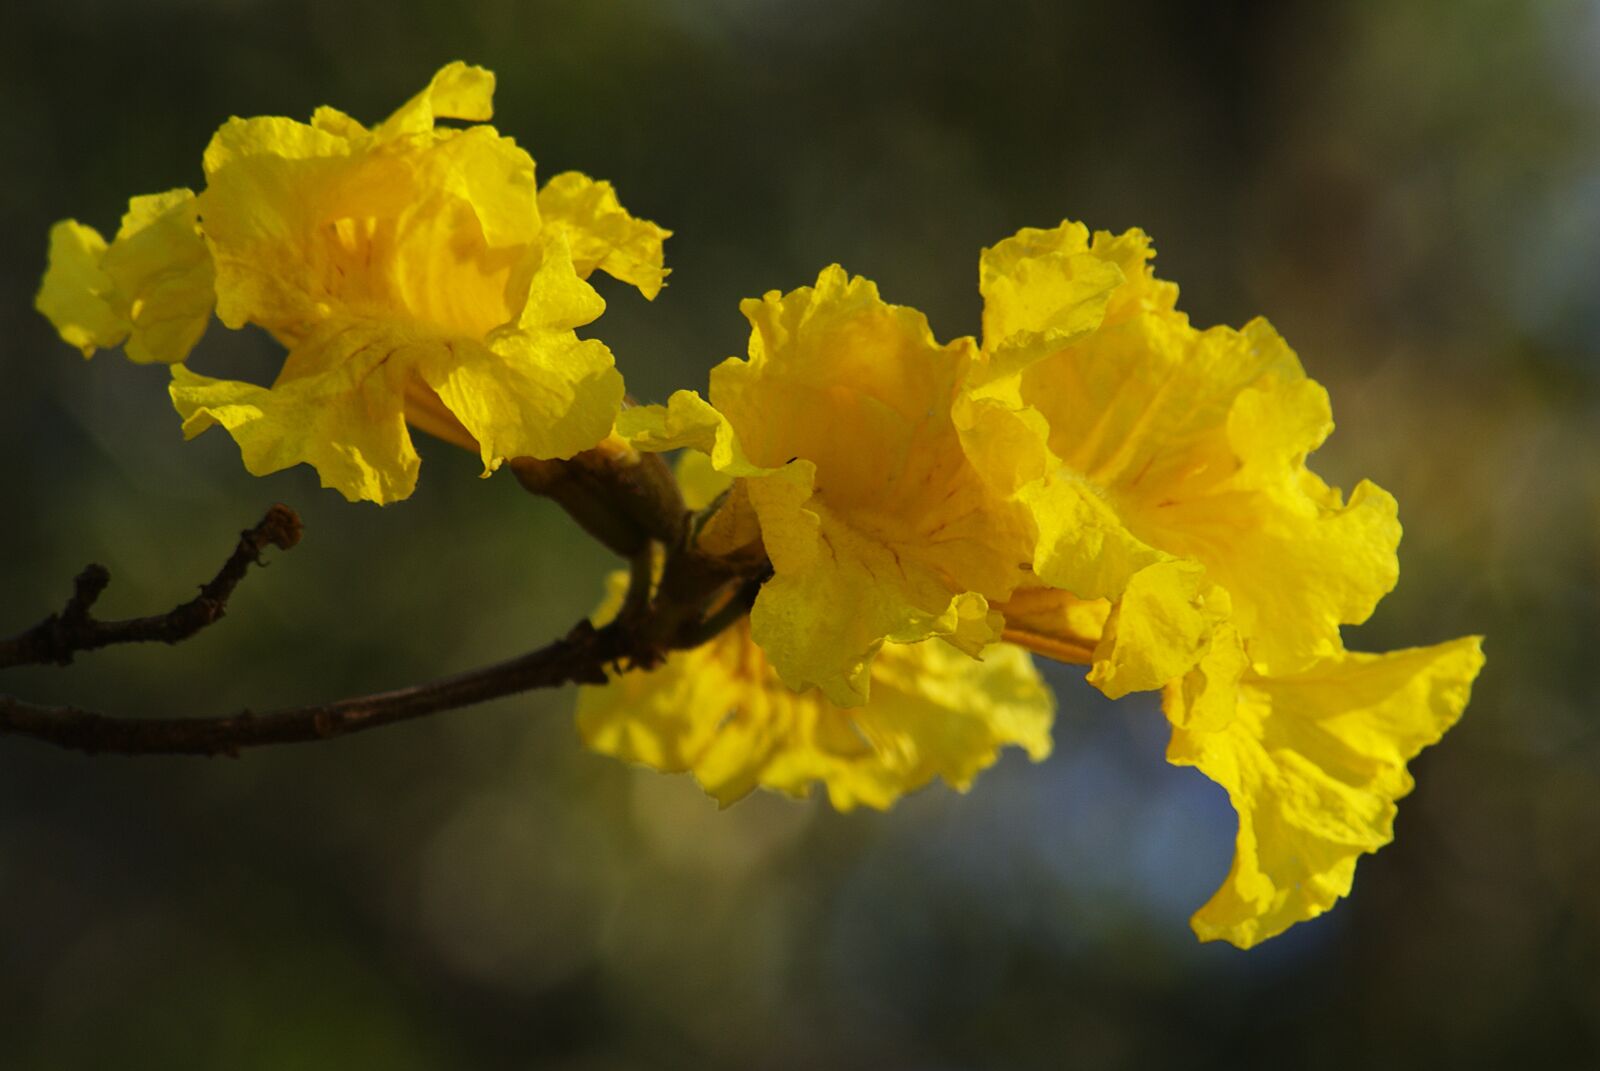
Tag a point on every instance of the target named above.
point(411, 270)
point(720, 712)
point(1174, 481)
point(1313, 762)
point(878, 527)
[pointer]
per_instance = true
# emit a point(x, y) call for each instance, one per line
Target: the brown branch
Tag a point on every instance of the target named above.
point(628, 500)
point(579, 657)
point(60, 636)
point(639, 637)
point(619, 496)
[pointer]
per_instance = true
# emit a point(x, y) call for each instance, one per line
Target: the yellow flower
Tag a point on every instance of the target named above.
point(1313, 762)
point(877, 526)
point(1174, 482)
point(724, 714)
point(411, 270)
point(720, 712)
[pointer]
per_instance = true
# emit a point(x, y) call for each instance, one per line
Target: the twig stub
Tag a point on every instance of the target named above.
point(61, 636)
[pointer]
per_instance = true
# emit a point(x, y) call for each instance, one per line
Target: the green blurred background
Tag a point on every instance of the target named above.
point(1410, 191)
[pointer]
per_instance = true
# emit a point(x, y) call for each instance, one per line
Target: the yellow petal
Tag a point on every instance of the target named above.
point(161, 264)
point(1158, 630)
point(544, 394)
point(1297, 559)
point(1164, 607)
point(601, 232)
point(1083, 545)
point(307, 226)
point(1004, 440)
point(458, 91)
point(1144, 405)
point(838, 593)
point(1314, 763)
point(271, 136)
point(721, 713)
point(153, 286)
point(332, 121)
point(1177, 443)
point(1141, 293)
point(492, 174)
point(557, 298)
point(75, 292)
point(339, 407)
point(733, 530)
point(934, 713)
point(977, 626)
point(699, 479)
point(1042, 289)
point(534, 389)
point(687, 420)
point(1207, 698)
point(877, 525)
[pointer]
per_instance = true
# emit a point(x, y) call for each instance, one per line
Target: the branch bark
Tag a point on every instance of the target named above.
point(579, 657)
point(640, 636)
point(60, 636)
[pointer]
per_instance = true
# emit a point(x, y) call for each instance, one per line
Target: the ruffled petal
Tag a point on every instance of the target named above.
point(160, 264)
point(76, 290)
point(700, 480)
point(934, 712)
point(1296, 558)
point(1313, 763)
point(1003, 440)
point(824, 626)
point(492, 174)
point(601, 232)
point(1041, 290)
point(339, 407)
point(838, 594)
point(877, 525)
point(331, 120)
point(153, 286)
point(1141, 293)
point(527, 394)
point(721, 713)
point(687, 420)
point(457, 91)
point(1158, 630)
point(1083, 545)
point(556, 297)
point(533, 389)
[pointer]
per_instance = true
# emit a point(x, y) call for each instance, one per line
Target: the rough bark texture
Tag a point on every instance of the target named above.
point(704, 593)
point(60, 636)
point(581, 656)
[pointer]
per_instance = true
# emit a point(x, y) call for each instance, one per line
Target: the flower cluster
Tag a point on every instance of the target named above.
point(1103, 482)
point(1092, 477)
point(414, 273)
